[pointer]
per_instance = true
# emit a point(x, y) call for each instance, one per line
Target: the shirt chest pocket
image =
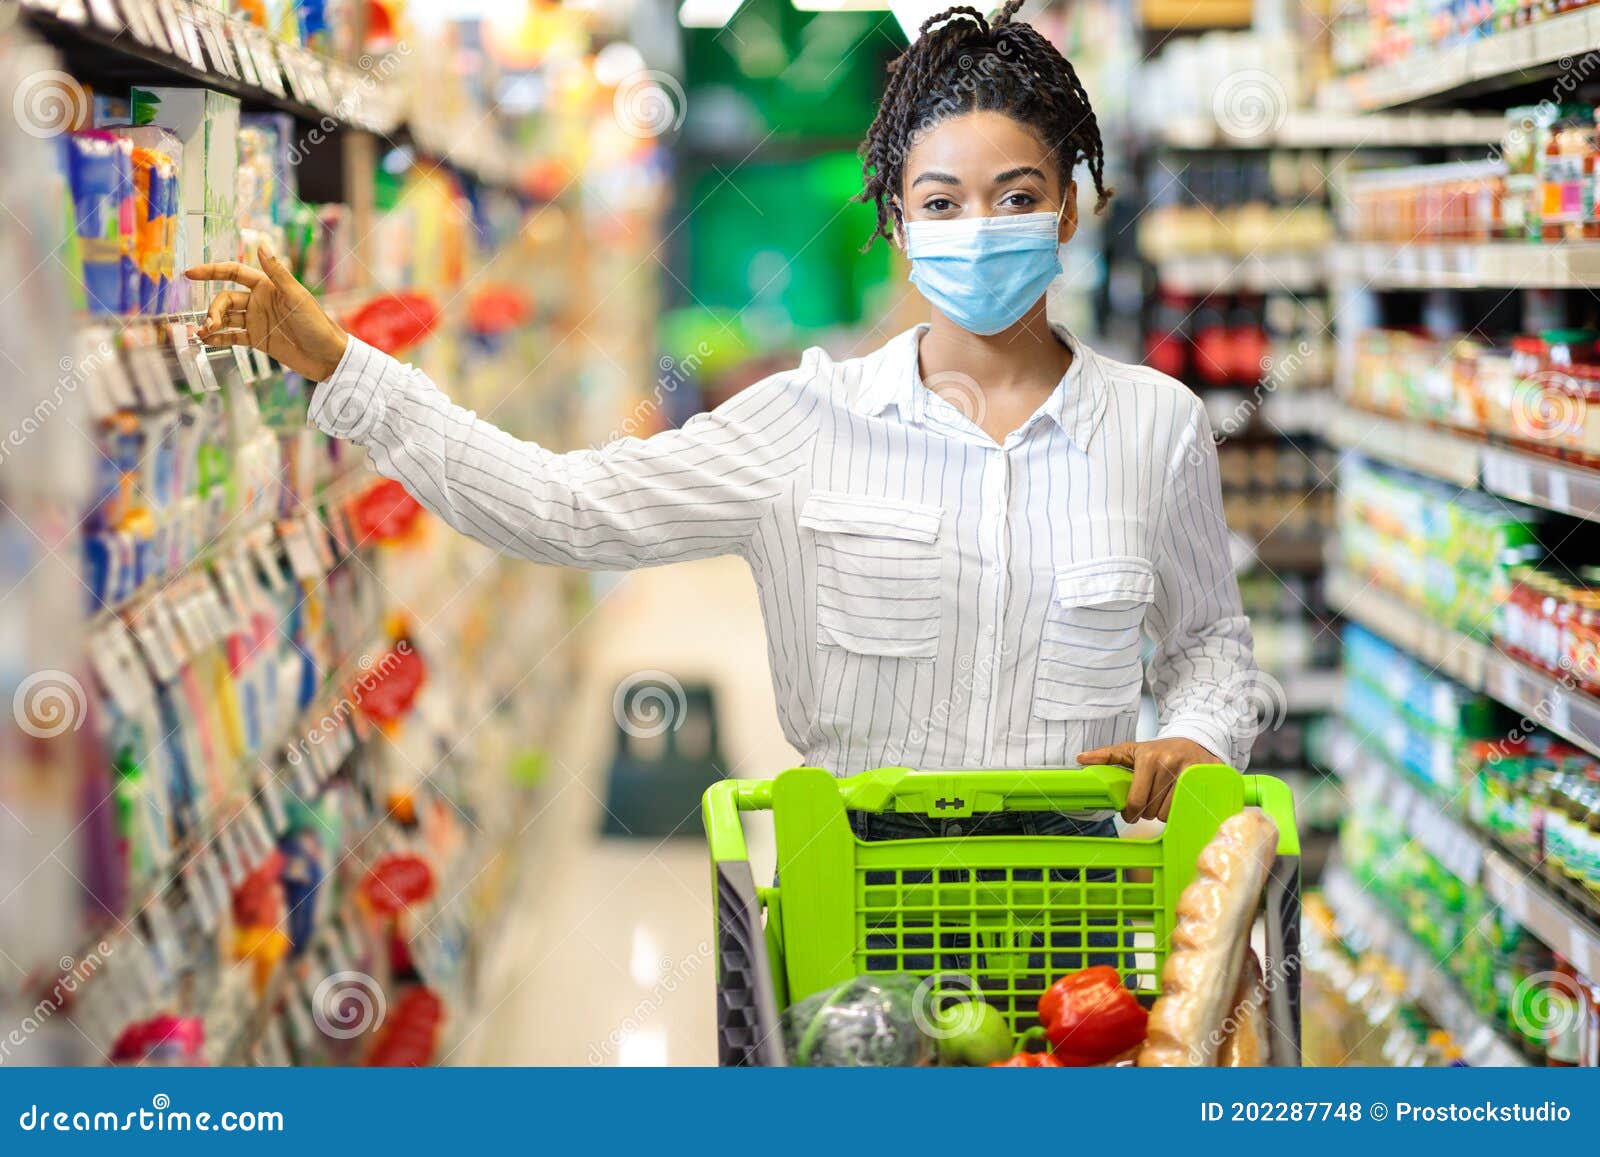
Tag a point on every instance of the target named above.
point(877, 590)
point(1090, 665)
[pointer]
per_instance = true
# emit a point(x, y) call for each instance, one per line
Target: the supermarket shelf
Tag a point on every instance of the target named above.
point(1472, 857)
point(1428, 450)
point(1332, 130)
point(1293, 413)
point(1312, 690)
point(1454, 844)
point(1436, 994)
point(1497, 61)
point(199, 44)
point(1538, 481)
point(1552, 703)
point(1257, 273)
point(1461, 658)
point(1466, 264)
point(1548, 918)
point(1468, 462)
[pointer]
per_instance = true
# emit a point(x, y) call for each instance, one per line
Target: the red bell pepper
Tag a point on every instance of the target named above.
point(1027, 1060)
point(1032, 1053)
point(1090, 1017)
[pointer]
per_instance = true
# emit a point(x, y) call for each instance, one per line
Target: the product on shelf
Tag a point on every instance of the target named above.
point(1447, 552)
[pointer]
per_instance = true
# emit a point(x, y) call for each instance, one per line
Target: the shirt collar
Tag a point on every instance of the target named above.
point(1076, 404)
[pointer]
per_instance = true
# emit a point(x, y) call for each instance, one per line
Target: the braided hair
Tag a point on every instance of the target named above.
point(962, 62)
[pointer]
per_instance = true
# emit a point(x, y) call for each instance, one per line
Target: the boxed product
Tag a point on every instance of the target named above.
point(206, 123)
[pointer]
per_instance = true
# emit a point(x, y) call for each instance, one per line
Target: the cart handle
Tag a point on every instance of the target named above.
point(955, 794)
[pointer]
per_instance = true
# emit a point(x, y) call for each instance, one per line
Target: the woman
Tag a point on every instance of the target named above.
point(959, 538)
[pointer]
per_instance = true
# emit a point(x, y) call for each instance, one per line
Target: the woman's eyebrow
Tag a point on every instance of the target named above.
point(935, 177)
point(1019, 171)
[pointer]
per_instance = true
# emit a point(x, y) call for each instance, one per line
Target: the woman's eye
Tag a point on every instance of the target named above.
point(1019, 200)
point(939, 205)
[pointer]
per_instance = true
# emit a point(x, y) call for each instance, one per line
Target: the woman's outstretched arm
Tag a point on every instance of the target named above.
point(687, 493)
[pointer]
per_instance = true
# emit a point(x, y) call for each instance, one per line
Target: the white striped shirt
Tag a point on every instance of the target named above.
point(932, 599)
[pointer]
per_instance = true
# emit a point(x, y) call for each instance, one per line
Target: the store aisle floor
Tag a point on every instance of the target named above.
point(605, 955)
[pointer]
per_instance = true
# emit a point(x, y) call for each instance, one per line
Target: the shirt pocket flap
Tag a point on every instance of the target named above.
point(1105, 581)
point(830, 511)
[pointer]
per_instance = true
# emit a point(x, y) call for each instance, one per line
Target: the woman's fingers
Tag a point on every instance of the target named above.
point(227, 271)
point(1118, 755)
point(275, 269)
point(1145, 768)
point(224, 304)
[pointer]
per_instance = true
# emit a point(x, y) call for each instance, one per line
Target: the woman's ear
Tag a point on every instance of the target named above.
point(1069, 213)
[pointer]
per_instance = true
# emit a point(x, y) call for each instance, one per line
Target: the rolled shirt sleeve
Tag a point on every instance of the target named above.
point(692, 492)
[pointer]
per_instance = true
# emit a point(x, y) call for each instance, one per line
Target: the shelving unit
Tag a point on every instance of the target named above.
point(1469, 462)
point(1450, 652)
point(1473, 858)
point(1334, 130)
point(1466, 264)
point(1495, 61)
point(1370, 924)
point(1255, 273)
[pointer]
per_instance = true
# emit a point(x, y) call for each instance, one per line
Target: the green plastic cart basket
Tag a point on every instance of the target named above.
point(1008, 913)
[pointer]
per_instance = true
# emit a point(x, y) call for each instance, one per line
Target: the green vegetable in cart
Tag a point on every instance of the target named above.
point(971, 1032)
point(1090, 1017)
point(868, 1021)
point(1033, 1052)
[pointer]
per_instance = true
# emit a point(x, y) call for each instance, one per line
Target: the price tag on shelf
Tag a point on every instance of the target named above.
point(242, 359)
point(105, 15)
point(265, 547)
point(1514, 897)
point(233, 869)
point(304, 770)
point(266, 61)
point(263, 362)
point(299, 1015)
point(97, 356)
point(210, 21)
point(317, 535)
point(125, 678)
point(166, 14)
point(297, 545)
point(242, 53)
point(205, 904)
point(163, 931)
point(163, 662)
point(163, 615)
point(145, 24)
point(260, 833)
point(1584, 953)
point(271, 795)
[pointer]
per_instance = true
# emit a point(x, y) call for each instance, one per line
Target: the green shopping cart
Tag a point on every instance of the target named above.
point(1009, 912)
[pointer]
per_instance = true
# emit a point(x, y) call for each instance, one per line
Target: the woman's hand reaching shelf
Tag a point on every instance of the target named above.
point(273, 313)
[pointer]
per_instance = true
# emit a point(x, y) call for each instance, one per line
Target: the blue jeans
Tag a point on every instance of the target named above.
point(1066, 946)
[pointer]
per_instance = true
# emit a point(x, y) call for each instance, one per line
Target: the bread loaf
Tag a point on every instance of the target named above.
point(1244, 1029)
point(1208, 944)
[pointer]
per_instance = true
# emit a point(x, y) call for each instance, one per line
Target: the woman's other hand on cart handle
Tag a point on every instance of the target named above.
point(273, 313)
point(1156, 765)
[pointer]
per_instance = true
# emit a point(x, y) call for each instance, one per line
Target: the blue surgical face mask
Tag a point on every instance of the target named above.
point(984, 273)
